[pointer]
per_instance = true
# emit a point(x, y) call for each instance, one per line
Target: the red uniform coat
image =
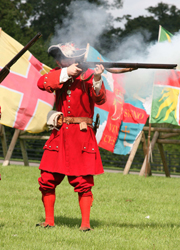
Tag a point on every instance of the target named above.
point(71, 151)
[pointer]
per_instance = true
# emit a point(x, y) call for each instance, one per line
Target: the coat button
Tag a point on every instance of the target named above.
point(45, 145)
point(56, 146)
point(68, 107)
point(68, 91)
point(44, 82)
point(92, 148)
point(84, 147)
point(68, 100)
point(69, 112)
point(49, 146)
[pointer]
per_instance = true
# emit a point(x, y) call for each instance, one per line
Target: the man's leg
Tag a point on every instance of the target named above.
point(83, 185)
point(85, 203)
point(48, 200)
point(48, 182)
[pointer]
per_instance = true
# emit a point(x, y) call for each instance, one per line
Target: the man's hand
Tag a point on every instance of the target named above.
point(73, 70)
point(98, 71)
point(119, 71)
point(131, 69)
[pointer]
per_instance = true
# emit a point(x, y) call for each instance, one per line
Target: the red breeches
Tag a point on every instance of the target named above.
point(82, 184)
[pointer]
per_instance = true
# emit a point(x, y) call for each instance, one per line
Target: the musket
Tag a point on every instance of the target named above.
point(5, 71)
point(86, 65)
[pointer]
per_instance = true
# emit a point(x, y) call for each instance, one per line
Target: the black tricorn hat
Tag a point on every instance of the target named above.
point(66, 51)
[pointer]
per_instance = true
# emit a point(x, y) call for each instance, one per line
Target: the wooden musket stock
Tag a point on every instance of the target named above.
point(5, 71)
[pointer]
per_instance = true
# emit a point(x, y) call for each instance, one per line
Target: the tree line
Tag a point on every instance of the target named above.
point(22, 19)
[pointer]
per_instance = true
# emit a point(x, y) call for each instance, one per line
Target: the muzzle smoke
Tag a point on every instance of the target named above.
point(88, 22)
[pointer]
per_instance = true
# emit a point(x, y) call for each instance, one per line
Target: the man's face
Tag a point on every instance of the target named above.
point(66, 62)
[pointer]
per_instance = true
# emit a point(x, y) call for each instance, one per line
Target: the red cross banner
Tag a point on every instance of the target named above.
point(23, 105)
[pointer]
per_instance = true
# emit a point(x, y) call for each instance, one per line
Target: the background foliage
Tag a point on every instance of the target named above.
point(23, 19)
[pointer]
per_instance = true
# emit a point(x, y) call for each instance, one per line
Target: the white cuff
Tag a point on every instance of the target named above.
point(64, 76)
point(97, 85)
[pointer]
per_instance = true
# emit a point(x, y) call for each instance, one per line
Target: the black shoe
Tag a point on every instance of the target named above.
point(85, 229)
point(44, 225)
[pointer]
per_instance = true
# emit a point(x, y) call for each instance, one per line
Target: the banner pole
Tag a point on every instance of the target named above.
point(148, 149)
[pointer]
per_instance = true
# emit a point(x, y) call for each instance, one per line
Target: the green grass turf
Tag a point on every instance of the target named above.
point(129, 212)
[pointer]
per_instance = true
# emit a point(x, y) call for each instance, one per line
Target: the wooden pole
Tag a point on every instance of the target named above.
point(24, 152)
point(22, 139)
point(168, 135)
point(163, 157)
point(38, 137)
point(145, 152)
point(3, 140)
point(147, 158)
point(154, 139)
point(169, 130)
point(11, 147)
point(132, 154)
point(144, 144)
point(166, 141)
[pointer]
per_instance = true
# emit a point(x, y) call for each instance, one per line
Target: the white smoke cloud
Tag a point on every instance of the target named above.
point(134, 49)
point(85, 26)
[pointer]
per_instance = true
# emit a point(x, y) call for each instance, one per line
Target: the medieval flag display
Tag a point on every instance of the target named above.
point(121, 119)
point(23, 105)
point(166, 92)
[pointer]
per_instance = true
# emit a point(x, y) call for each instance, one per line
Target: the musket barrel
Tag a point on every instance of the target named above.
point(127, 65)
point(24, 49)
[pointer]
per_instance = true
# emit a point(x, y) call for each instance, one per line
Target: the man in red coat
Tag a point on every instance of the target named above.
point(72, 149)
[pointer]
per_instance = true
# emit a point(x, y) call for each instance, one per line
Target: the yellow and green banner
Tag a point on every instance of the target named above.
point(166, 92)
point(164, 35)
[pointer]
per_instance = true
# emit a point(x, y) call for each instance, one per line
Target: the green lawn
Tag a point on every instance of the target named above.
point(129, 212)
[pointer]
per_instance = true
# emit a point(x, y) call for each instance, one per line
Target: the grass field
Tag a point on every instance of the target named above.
point(129, 212)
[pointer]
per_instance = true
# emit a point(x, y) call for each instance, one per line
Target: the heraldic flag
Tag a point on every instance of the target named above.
point(121, 119)
point(166, 92)
point(23, 105)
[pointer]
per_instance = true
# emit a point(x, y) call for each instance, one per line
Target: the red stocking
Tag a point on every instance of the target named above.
point(49, 200)
point(85, 203)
